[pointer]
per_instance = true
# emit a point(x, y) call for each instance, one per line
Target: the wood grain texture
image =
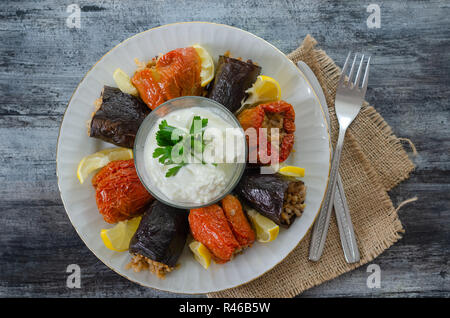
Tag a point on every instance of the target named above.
point(42, 61)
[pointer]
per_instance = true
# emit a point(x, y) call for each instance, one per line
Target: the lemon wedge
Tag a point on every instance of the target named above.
point(207, 69)
point(266, 229)
point(265, 89)
point(123, 82)
point(201, 253)
point(292, 171)
point(118, 237)
point(100, 159)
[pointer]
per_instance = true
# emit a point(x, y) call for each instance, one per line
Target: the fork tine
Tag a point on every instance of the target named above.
point(351, 69)
point(344, 69)
point(358, 74)
point(366, 77)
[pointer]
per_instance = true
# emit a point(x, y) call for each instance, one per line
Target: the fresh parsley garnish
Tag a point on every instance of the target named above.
point(166, 133)
point(174, 170)
point(172, 141)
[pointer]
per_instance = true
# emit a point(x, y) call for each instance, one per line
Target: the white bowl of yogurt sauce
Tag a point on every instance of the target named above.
point(207, 175)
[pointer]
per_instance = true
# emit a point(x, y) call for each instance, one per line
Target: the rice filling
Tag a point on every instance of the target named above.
point(294, 201)
point(140, 262)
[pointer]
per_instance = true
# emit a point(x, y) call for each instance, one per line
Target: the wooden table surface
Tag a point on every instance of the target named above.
point(42, 61)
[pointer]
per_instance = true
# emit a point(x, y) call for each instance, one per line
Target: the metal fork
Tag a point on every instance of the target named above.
point(341, 209)
point(349, 98)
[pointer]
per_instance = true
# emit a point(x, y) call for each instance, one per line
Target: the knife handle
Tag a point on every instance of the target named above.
point(319, 232)
point(345, 225)
point(320, 229)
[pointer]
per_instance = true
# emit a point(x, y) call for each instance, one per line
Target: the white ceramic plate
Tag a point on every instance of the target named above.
point(312, 151)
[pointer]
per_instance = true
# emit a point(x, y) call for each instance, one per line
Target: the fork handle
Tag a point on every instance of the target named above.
point(322, 223)
point(345, 225)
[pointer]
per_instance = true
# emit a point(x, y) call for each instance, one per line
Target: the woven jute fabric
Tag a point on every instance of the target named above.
point(373, 162)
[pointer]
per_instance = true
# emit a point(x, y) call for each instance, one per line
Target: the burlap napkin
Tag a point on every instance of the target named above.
point(373, 162)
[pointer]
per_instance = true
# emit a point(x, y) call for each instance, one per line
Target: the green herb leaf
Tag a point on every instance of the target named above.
point(170, 137)
point(166, 133)
point(195, 122)
point(173, 171)
point(164, 154)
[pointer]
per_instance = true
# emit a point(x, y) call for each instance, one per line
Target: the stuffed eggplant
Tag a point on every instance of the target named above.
point(274, 115)
point(118, 118)
point(159, 239)
point(232, 79)
point(274, 196)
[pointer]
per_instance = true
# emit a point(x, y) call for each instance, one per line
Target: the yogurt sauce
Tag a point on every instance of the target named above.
point(195, 183)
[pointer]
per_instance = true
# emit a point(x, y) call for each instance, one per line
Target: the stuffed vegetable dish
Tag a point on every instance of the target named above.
point(191, 141)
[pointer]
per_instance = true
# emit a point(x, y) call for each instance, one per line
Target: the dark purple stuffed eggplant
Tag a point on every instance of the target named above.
point(233, 78)
point(279, 198)
point(161, 235)
point(118, 118)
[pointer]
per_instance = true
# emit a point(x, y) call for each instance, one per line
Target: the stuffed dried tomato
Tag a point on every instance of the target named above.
point(119, 192)
point(279, 114)
point(239, 224)
point(175, 74)
point(210, 227)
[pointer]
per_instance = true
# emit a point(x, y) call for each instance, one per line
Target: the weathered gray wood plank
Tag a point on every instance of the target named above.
point(42, 61)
